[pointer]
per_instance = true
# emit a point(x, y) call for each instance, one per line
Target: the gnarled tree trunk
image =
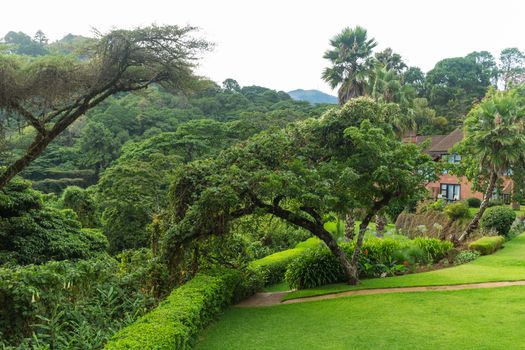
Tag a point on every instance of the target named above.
point(349, 226)
point(349, 268)
point(484, 204)
point(354, 279)
point(380, 224)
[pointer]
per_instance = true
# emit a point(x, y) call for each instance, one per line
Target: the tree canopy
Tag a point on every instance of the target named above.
point(313, 169)
point(50, 92)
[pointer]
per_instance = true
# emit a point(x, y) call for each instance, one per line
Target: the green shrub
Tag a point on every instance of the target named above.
point(186, 311)
point(379, 257)
point(457, 210)
point(499, 218)
point(314, 268)
point(438, 205)
point(81, 202)
point(273, 267)
point(76, 305)
point(33, 233)
point(474, 202)
point(495, 202)
point(434, 249)
point(487, 245)
point(95, 239)
point(466, 256)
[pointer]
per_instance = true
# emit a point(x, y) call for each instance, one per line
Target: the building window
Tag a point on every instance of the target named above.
point(450, 192)
point(452, 159)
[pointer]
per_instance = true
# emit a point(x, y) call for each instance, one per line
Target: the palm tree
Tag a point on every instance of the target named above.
point(387, 87)
point(352, 63)
point(494, 139)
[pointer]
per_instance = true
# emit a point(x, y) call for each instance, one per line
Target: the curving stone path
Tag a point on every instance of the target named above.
point(274, 298)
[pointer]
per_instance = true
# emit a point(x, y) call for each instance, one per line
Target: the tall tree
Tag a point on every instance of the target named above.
point(512, 67)
point(494, 142)
point(98, 147)
point(351, 63)
point(414, 77)
point(50, 93)
point(231, 85)
point(391, 60)
point(301, 174)
point(454, 85)
point(488, 65)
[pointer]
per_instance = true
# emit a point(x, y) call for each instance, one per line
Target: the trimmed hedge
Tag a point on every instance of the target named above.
point(474, 202)
point(379, 257)
point(186, 311)
point(487, 245)
point(498, 218)
point(271, 269)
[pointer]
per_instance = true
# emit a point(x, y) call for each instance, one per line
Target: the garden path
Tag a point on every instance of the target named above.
point(274, 298)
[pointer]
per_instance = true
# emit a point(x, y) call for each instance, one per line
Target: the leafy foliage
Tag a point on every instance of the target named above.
point(466, 256)
point(273, 267)
point(299, 174)
point(76, 305)
point(499, 219)
point(82, 203)
point(31, 232)
point(379, 257)
point(473, 202)
point(457, 210)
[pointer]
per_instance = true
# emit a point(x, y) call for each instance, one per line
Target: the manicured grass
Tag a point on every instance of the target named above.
point(519, 213)
point(467, 319)
point(507, 264)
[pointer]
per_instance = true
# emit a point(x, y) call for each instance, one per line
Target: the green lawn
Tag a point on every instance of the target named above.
point(507, 264)
point(467, 319)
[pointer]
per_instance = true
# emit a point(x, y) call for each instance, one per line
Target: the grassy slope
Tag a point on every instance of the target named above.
point(467, 319)
point(507, 264)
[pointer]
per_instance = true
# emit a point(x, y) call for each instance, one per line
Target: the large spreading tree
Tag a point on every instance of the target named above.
point(49, 93)
point(347, 159)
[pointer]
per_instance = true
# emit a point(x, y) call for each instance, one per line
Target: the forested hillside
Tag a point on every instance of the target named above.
point(312, 96)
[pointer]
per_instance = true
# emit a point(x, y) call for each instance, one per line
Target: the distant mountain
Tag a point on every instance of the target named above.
point(312, 96)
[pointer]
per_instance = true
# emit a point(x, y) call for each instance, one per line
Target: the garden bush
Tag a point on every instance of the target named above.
point(433, 249)
point(76, 305)
point(379, 257)
point(495, 202)
point(466, 256)
point(474, 202)
point(438, 205)
point(271, 269)
point(487, 245)
point(186, 311)
point(499, 219)
point(457, 210)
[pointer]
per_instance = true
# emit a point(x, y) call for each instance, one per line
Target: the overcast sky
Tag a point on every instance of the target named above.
point(278, 43)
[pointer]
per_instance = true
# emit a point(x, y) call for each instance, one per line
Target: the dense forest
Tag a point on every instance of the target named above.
point(124, 174)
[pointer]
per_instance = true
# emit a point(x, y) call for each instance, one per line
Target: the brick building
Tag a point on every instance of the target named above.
point(448, 186)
